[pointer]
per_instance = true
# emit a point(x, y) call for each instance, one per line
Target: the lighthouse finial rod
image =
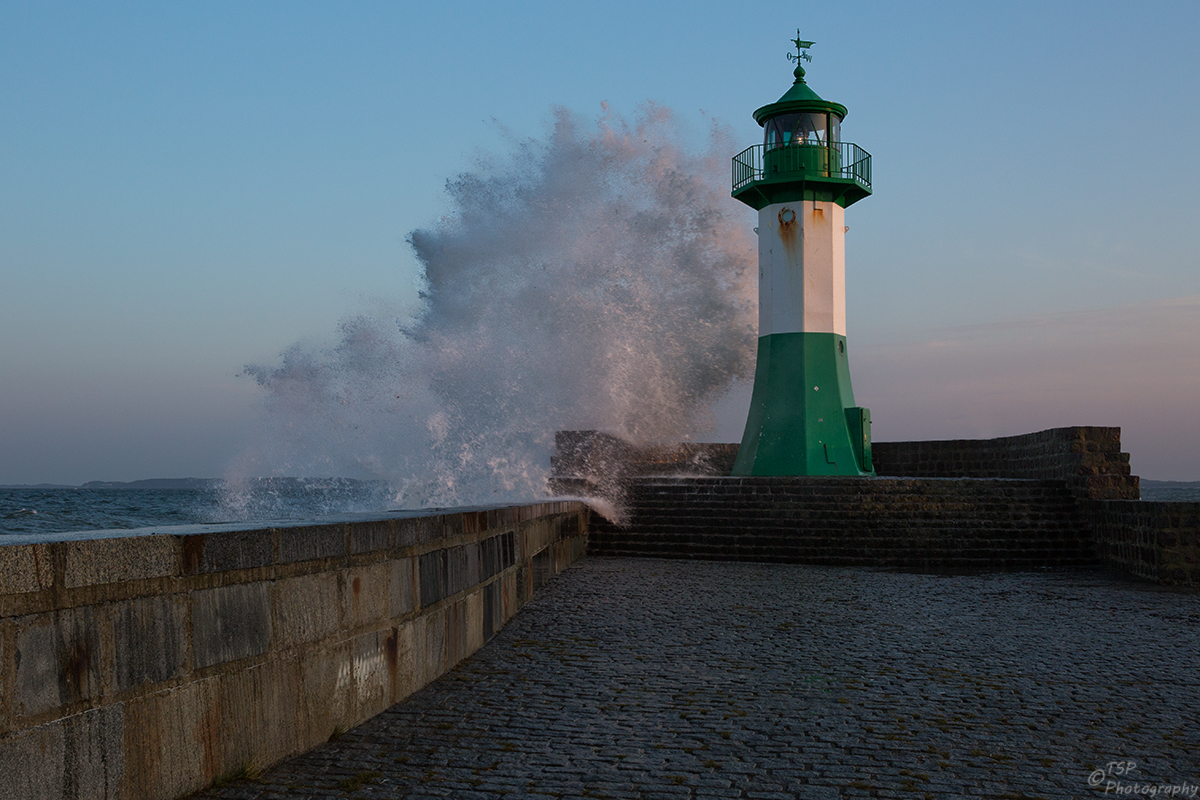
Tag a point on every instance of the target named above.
point(801, 54)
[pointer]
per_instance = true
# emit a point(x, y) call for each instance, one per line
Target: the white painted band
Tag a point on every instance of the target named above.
point(802, 268)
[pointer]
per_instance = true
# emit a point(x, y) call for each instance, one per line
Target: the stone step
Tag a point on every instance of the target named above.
point(844, 500)
point(850, 538)
point(1049, 528)
point(789, 511)
point(961, 524)
point(836, 496)
point(874, 511)
point(779, 501)
point(864, 553)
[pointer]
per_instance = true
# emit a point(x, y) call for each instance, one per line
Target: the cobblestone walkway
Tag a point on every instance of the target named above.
point(640, 678)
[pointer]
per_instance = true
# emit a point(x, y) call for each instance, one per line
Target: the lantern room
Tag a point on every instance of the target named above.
point(802, 150)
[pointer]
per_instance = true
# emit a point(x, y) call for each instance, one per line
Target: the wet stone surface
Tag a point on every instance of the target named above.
point(643, 678)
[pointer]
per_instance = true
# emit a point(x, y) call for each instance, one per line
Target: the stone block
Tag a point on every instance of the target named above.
point(452, 525)
point(510, 550)
point(230, 622)
point(125, 558)
point(542, 569)
point(473, 622)
point(57, 660)
point(402, 662)
point(374, 665)
point(225, 551)
point(402, 597)
point(492, 609)
point(462, 568)
point(418, 530)
point(366, 595)
point(432, 577)
point(327, 674)
point(77, 757)
point(180, 740)
point(523, 587)
point(149, 640)
point(172, 740)
point(435, 645)
point(502, 517)
point(495, 555)
point(25, 568)
point(31, 764)
point(261, 715)
point(509, 596)
point(419, 638)
point(311, 542)
point(475, 522)
point(456, 633)
point(489, 557)
point(532, 538)
point(305, 608)
point(372, 536)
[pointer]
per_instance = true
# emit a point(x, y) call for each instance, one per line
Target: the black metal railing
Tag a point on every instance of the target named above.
point(844, 160)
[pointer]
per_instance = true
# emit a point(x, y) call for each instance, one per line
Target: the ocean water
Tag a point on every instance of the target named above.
point(46, 511)
point(596, 277)
point(1172, 494)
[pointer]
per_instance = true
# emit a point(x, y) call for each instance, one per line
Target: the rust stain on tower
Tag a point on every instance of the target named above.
point(789, 230)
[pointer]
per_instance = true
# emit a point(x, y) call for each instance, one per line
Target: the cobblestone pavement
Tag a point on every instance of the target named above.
point(641, 678)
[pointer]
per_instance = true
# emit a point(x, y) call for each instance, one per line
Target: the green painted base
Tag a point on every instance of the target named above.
point(803, 420)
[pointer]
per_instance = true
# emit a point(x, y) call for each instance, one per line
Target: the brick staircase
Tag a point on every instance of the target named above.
point(923, 524)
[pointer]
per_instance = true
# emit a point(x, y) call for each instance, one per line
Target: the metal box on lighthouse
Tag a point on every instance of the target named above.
point(803, 419)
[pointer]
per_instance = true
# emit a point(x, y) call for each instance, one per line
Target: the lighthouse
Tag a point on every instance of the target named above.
point(801, 180)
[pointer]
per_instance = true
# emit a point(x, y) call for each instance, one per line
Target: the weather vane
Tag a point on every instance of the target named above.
point(801, 49)
point(801, 54)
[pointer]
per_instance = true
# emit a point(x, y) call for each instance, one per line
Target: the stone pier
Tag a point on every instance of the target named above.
point(647, 679)
point(143, 665)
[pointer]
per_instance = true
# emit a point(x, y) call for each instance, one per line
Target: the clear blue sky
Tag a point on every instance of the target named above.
point(188, 188)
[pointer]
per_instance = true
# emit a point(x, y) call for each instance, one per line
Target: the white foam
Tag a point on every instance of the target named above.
point(599, 278)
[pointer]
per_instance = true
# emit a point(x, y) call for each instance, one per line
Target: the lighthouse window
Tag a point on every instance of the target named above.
point(810, 129)
point(835, 128)
point(779, 130)
point(800, 129)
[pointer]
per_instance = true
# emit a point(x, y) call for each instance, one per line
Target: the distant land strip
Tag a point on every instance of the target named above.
point(148, 483)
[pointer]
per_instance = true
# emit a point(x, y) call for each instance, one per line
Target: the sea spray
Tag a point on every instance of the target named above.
point(598, 277)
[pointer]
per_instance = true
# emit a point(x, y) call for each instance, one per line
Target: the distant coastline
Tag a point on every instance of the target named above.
point(148, 483)
point(196, 483)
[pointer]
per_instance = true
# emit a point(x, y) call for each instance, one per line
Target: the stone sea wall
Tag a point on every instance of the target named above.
point(978, 514)
point(916, 524)
point(1087, 458)
point(1159, 542)
point(148, 666)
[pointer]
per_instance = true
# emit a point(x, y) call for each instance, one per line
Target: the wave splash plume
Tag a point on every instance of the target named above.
point(599, 277)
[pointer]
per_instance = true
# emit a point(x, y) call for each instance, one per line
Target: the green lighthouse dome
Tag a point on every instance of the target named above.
point(801, 116)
